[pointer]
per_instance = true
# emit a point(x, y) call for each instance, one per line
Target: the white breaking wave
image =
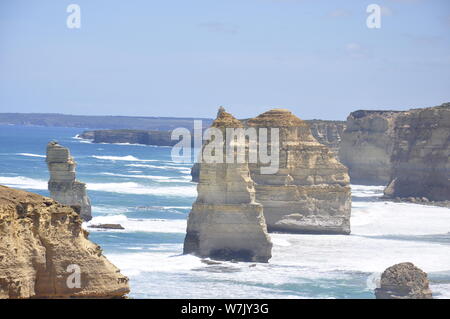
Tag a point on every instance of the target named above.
point(31, 155)
point(182, 169)
point(139, 189)
point(129, 158)
point(162, 179)
point(23, 182)
point(140, 225)
point(367, 191)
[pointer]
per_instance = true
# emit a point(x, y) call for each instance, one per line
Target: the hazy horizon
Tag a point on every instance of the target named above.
point(185, 59)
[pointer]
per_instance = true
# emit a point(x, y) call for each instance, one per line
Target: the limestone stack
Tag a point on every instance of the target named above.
point(367, 145)
point(225, 221)
point(63, 185)
point(403, 281)
point(310, 193)
point(328, 133)
point(421, 154)
point(43, 248)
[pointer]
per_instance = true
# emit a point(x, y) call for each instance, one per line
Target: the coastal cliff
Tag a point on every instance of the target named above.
point(42, 245)
point(421, 155)
point(225, 221)
point(328, 133)
point(310, 192)
point(367, 145)
point(63, 185)
point(158, 138)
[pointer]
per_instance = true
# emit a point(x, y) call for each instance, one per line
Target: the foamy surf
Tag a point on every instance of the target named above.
point(31, 155)
point(23, 182)
point(140, 225)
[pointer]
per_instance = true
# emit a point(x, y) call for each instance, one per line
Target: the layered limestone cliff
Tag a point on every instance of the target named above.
point(421, 154)
point(43, 248)
point(225, 221)
point(328, 133)
point(403, 281)
point(310, 192)
point(367, 145)
point(158, 138)
point(63, 185)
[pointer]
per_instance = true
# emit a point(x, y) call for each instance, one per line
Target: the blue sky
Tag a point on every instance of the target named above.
point(187, 57)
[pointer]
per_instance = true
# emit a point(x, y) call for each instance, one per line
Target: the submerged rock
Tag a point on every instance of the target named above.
point(403, 281)
point(226, 222)
point(42, 248)
point(310, 193)
point(107, 226)
point(63, 185)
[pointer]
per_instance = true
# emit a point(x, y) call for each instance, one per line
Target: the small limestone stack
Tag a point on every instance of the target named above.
point(403, 281)
point(225, 222)
point(43, 248)
point(310, 193)
point(63, 185)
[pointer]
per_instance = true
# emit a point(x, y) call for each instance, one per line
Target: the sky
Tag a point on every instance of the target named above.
point(186, 58)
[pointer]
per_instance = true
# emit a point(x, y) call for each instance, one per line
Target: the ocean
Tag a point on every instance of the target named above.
point(143, 190)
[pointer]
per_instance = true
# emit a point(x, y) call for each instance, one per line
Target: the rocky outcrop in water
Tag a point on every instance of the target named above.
point(367, 145)
point(310, 193)
point(403, 281)
point(421, 155)
point(327, 133)
point(158, 138)
point(42, 248)
point(63, 185)
point(225, 221)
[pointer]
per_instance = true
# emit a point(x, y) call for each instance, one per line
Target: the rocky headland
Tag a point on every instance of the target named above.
point(63, 185)
point(403, 281)
point(367, 145)
point(42, 245)
point(421, 155)
point(226, 222)
point(158, 138)
point(310, 193)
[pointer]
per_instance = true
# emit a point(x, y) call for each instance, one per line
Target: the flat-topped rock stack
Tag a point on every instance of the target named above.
point(45, 253)
point(63, 185)
point(310, 193)
point(225, 221)
point(404, 281)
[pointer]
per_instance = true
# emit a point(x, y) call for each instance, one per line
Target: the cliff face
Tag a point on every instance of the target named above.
point(421, 154)
point(367, 145)
point(159, 138)
point(225, 221)
point(310, 193)
point(63, 185)
point(328, 133)
point(403, 281)
point(42, 244)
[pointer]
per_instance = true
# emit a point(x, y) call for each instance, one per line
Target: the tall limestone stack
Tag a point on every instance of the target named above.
point(421, 154)
point(225, 221)
point(43, 249)
point(310, 193)
point(367, 145)
point(328, 133)
point(404, 281)
point(63, 185)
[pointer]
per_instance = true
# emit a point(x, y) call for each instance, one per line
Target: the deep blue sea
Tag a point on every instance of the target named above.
point(143, 190)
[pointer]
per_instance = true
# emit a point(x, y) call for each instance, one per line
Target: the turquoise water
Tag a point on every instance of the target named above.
point(142, 189)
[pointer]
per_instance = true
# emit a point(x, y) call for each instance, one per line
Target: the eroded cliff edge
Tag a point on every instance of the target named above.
point(39, 240)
